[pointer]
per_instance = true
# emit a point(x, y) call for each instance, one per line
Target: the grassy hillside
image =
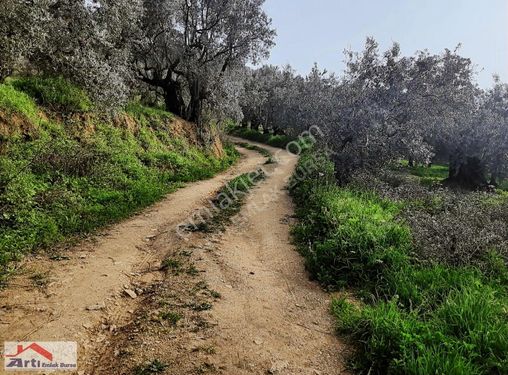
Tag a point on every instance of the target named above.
point(414, 311)
point(65, 170)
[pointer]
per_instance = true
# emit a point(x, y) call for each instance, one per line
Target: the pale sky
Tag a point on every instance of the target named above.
point(319, 30)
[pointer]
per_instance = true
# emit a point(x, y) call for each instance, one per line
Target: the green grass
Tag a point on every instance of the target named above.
point(13, 102)
point(263, 151)
point(503, 185)
point(414, 319)
point(55, 93)
point(154, 367)
point(229, 200)
point(62, 182)
point(143, 113)
point(429, 176)
point(437, 173)
point(171, 316)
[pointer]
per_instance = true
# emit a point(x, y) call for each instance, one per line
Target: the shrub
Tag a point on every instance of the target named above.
point(450, 227)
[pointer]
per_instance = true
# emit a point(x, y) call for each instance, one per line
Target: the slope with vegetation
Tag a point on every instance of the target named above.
point(425, 300)
point(65, 169)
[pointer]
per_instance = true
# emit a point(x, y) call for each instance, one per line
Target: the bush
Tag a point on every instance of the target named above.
point(56, 93)
point(450, 227)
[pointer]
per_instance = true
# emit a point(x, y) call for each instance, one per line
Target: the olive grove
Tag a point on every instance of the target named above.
point(192, 56)
point(387, 107)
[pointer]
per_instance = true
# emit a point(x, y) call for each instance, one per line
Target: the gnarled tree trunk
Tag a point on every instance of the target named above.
point(173, 99)
point(466, 172)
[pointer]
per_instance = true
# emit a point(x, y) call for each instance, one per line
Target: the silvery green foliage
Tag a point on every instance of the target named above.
point(189, 45)
point(459, 230)
point(376, 120)
point(494, 116)
point(90, 42)
point(272, 99)
point(22, 30)
point(386, 106)
point(223, 102)
point(259, 96)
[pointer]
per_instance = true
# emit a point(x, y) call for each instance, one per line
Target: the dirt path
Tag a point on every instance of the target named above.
point(270, 316)
point(77, 295)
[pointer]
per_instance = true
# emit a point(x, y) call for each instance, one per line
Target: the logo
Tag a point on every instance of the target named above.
point(41, 356)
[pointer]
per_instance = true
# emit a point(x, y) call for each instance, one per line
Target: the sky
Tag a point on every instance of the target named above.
point(319, 31)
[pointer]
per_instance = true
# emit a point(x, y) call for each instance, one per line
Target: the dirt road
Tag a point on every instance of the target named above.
point(242, 305)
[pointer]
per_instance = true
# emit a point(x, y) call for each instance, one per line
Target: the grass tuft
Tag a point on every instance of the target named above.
point(154, 367)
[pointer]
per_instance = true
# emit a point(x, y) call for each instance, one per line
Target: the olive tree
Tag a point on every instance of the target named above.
point(23, 26)
point(494, 116)
point(90, 42)
point(189, 45)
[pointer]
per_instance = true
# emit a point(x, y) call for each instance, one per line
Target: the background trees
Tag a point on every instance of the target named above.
point(193, 55)
point(387, 107)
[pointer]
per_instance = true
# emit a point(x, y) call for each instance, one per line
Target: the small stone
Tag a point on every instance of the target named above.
point(278, 366)
point(258, 341)
point(82, 256)
point(96, 307)
point(130, 293)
